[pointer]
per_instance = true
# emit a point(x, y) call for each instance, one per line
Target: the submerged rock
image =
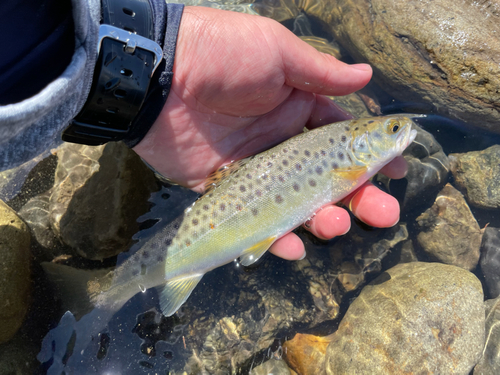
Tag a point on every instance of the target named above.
point(15, 275)
point(304, 353)
point(99, 192)
point(442, 53)
point(490, 261)
point(449, 231)
point(477, 174)
point(273, 366)
point(490, 361)
point(414, 318)
point(428, 169)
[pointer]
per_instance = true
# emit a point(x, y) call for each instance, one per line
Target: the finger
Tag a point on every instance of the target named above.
point(396, 169)
point(326, 111)
point(288, 247)
point(329, 222)
point(309, 70)
point(373, 207)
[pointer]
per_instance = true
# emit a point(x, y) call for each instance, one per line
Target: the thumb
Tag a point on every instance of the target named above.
point(307, 69)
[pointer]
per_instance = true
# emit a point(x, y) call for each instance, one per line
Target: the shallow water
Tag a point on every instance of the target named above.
point(139, 340)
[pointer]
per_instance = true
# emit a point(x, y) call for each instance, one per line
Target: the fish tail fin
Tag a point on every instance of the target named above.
point(78, 289)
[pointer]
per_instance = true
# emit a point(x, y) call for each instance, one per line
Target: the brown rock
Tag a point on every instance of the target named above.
point(477, 174)
point(490, 361)
point(450, 232)
point(15, 277)
point(304, 353)
point(444, 53)
point(415, 318)
point(99, 192)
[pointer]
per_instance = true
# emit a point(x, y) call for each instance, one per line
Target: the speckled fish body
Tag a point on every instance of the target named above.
point(269, 195)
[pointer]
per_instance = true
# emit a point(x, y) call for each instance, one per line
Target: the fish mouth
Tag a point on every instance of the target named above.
point(406, 137)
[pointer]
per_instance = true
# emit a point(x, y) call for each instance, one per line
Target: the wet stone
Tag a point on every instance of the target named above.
point(490, 361)
point(490, 261)
point(273, 366)
point(304, 352)
point(449, 231)
point(419, 317)
point(428, 170)
point(15, 274)
point(477, 174)
point(99, 192)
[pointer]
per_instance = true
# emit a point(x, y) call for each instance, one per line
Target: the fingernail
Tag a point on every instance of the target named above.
point(303, 256)
point(363, 67)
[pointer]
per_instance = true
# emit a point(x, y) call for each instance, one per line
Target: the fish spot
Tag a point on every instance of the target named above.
point(341, 155)
point(269, 164)
point(281, 178)
point(205, 207)
point(145, 254)
point(335, 166)
point(296, 187)
point(369, 156)
point(371, 121)
point(222, 207)
point(135, 272)
point(309, 170)
point(249, 176)
point(278, 199)
point(176, 226)
point(243, 188)
point(312, 182)
point(264, 176)
point(280, 168)
point(361, 145)
point(259, 166)
point(185, 228)
point(285, 163)
point(188, 243)
point(210, 195)
point(356, 128)
point(316, 155)
point(365, 125)
point(332, 141)
point(255, 211)
point(239, 207)
point(296, 152)
point(319, 170)
point(285, 150)
point(168, 241)
point(307, 153)
point(160, 258)
point(347, 129)
point(298, 167)
point(258, 193)
point(343, 139)
point(195, 221)
point(198, 212)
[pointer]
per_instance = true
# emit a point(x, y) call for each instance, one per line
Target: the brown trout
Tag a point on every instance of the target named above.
point(252, 203)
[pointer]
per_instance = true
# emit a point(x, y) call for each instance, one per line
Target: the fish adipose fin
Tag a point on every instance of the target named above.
point(175, 292)
point(351, 173)
point(252, 254)
point(222, 173)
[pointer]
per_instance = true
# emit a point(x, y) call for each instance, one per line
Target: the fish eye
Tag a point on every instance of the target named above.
point(394, 126)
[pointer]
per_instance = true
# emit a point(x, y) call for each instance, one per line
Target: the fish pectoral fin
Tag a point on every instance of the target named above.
point(216, 178)
point(351, 173)
point(175, 292)
point(252, 254)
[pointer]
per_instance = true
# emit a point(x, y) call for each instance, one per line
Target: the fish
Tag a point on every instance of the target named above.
point(251, 203)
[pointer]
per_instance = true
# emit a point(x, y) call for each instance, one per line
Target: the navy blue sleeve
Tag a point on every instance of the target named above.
point(38, 42)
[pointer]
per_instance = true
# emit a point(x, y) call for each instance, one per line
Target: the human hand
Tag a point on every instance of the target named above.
point(243, 84)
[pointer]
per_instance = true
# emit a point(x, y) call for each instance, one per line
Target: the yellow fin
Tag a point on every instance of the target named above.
point(175, 292)
point(351, 173)
point(222, 173)
point(252, 254)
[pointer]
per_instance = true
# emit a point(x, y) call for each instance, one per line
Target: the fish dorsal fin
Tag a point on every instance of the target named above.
point(351, 173)
point(175, 292)
point(222, 173)
point(252, 254)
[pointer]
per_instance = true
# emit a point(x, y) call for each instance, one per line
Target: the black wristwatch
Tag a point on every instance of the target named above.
point(127, 59)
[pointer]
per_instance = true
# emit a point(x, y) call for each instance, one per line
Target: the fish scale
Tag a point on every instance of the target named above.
point(242, 214)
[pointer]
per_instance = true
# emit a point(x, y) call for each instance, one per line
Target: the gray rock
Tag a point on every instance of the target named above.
point(442, 53)
point(428, 170)
point(271, 367)
point(15, 275)
point(414, 318)
point(99, 192)
point(490, 261)
point(477, 174)
point(449, 231)
point(490, 361)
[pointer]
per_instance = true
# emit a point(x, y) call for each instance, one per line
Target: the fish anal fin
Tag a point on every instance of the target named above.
point(175, 292)
point(252, 254)
point(222, 173)
point(351, 173)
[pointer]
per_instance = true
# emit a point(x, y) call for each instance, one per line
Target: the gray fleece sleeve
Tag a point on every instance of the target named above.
point(33, 126)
